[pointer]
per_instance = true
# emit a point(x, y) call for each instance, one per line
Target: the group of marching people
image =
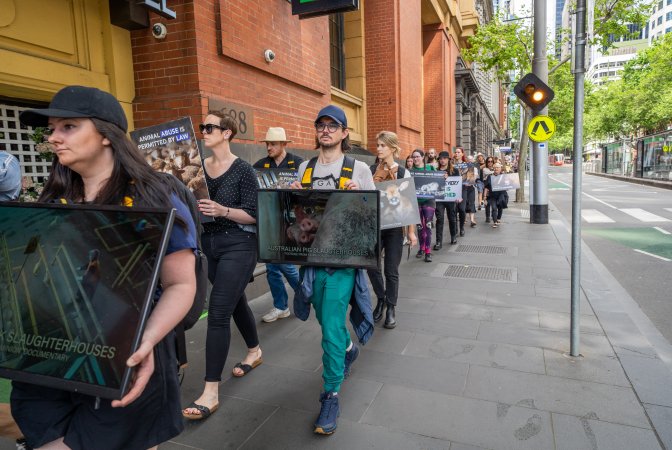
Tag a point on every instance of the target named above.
point(95, 162)
point(477, 194)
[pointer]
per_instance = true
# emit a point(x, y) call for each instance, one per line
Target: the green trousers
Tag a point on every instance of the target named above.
point(331, 297)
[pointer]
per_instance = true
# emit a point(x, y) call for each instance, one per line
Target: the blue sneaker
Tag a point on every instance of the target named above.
point(350, 358)
point(329, 412)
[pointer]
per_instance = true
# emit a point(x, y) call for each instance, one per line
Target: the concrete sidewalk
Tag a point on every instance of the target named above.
point(473, 363)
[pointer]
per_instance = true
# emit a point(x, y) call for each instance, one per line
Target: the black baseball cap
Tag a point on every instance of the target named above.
point(75, 102)
point(444, 154)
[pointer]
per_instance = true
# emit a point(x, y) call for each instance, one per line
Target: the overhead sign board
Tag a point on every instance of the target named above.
point(541, 128)
point(312, 8)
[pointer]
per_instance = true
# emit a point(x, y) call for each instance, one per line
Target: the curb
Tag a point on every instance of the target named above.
point(644, 181)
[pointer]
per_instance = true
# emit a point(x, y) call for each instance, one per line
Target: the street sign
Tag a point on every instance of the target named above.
point(541, 128)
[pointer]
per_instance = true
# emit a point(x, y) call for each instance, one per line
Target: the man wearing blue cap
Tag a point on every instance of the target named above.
point(332, 289)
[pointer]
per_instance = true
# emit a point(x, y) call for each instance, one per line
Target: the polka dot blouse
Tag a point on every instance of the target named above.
point(235, 188)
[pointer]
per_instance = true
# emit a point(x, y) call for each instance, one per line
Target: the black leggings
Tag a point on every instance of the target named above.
point(451, 209)
point(392, 241)
point(232, 256)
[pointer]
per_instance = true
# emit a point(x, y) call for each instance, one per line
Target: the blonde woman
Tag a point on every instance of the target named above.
point(392, 240)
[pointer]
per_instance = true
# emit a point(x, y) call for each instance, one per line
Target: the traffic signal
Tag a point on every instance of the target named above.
point(533, 92)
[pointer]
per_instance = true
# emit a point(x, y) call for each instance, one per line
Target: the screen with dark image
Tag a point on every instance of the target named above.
point(76, 286)
point(328, 228)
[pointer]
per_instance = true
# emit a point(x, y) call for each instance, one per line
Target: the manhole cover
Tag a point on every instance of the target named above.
point(481, 273)
point(489, 249)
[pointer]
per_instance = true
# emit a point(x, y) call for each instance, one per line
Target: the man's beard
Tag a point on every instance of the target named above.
point(431, 158)
point(330, 145)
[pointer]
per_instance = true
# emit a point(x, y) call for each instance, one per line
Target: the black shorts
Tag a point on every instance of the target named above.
point(46, 414)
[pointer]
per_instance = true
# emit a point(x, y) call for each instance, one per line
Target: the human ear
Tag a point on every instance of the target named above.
point(106, 142)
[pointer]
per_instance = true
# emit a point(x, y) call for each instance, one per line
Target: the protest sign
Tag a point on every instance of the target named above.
point(467, 172)
point(172, 147)
point(429, 184)
point(76, 286)
point(329, 228)
point(276, 178)
point(505, 182)
point(398, 205)
point(452, 191)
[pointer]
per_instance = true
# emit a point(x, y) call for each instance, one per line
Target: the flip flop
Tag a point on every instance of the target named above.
point(246, 368)
point(205, 412)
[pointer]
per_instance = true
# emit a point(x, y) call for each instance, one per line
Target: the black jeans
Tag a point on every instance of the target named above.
point(496, 210)
point(392, 241)
point(451, 210)
point(232, 256)
point(489, 205)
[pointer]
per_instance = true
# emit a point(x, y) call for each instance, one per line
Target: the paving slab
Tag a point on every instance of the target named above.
point(491, 354)
point(408, 321)
point(289, 429)
point(661, 417)
point(651, 379)
point(591, 344)
point(557, 321)
point(573, 433)
point(430, 374)
point(614, 404)
point(598, 369)
point(465, 420)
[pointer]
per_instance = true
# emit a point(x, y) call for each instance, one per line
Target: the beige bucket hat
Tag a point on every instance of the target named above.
point(276, 134)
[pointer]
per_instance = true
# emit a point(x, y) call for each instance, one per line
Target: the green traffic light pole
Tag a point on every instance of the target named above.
point(579, 71)
point(539, 156)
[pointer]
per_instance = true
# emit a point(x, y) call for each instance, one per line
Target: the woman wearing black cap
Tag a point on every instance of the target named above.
point(96, 163)
point(446, 165)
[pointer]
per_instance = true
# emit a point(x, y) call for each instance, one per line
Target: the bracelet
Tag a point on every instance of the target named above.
point(228, 210)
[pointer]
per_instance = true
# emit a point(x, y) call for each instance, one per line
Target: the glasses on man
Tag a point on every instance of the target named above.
point(207, 128)
point(331, 126)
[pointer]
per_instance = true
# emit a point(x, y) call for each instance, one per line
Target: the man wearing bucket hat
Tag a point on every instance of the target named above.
point(276, 146)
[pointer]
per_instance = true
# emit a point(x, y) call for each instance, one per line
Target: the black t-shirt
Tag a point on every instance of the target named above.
point(290, 161)
point(235, 188)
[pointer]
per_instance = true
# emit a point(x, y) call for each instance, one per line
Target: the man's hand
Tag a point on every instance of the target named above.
point(143, 360)
point(351, 185)
point(296, 185)
point(413, 238)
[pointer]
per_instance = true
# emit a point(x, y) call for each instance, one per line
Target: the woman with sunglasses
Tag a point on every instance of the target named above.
point(96, 163)
point(230, 243)
point(426, 207)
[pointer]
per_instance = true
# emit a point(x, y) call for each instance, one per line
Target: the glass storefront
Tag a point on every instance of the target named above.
point(656, 157)
point(618, 158)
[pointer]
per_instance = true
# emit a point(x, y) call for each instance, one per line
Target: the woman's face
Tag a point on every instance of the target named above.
point(489, 162)
point(409, 161)
point(417, 160)
point(459, 154)
point(217, 136)
point(480, 159)
point(384, 151)
point(77, 143)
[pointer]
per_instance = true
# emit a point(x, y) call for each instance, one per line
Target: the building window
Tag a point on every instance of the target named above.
point(668, 29)
point(337, 38)
point(660, 20)
point(653, 24)
point(660, 5)
point(668, 16)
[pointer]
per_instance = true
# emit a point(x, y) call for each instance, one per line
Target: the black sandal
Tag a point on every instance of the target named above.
point(204, 411)
point(246, 368)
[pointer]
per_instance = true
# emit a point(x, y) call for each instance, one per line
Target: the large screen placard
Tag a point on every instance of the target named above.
point(76, 286)
point(328, 228)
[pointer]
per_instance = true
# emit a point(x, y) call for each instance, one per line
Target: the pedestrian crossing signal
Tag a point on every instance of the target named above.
point(533, 92)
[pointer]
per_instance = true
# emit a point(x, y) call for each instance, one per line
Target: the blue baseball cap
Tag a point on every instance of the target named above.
point(333, 112)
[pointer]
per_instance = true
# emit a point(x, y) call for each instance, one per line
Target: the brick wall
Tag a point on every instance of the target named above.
point(215, 50)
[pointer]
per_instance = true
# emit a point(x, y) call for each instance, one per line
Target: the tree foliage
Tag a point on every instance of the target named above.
point(638, 102)
point(613, 19)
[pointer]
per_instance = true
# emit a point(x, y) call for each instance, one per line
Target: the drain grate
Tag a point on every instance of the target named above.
point(487, 249)
point(481, 273)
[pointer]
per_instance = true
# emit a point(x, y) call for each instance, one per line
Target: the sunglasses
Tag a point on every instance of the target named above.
point(331, 126)
point(207, 128)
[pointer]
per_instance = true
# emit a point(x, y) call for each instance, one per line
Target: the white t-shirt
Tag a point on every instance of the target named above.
point(325, 176)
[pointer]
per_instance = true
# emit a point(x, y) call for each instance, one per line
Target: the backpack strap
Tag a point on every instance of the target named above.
point(401, 171)
point(345, 176)
point(307, 178)
point(346, 171)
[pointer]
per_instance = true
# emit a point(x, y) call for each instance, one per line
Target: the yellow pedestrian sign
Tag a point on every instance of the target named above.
point(541, 128)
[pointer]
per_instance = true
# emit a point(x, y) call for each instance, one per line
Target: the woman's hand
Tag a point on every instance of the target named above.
point(413, 238)
point(143, 361)
point(211, 208)
point(296, 185)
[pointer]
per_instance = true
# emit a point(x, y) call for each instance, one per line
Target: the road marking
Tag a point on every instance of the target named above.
point(525, 213)
point(594, 216)
point(587, 195)
point(642, 215)
point(661, 230)
point(651, 254)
